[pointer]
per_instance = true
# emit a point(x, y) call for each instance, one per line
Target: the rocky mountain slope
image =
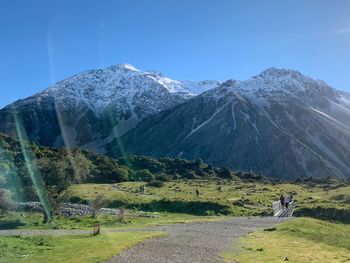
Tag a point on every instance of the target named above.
point(279, 123)
point(90, 109)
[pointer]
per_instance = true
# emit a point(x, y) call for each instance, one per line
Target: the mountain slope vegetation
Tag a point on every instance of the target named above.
point(57, 165)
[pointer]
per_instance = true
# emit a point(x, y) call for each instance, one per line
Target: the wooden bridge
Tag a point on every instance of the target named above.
point(282, 211)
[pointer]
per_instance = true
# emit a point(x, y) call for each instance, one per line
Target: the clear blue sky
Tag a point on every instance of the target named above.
point(43, 41)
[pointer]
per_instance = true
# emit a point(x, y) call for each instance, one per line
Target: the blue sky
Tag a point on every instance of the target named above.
point(44, 41)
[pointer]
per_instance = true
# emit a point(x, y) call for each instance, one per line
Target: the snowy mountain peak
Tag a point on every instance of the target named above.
point(283, 77)
point(294, 83)
point(275, 84)
point(125, 66)
point(230, 83)
point(279, 72)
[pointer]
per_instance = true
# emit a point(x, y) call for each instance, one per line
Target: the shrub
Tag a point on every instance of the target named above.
point(189, 175)
point(155, 183)
point(225, 173)
point(121, 174)
point(164, 177)
point(97, 203)
point(5, 201)
point(209, 213)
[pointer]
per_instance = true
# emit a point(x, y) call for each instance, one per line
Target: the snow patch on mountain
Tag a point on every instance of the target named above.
point(120, 84)
point(278, 85)
point(198, 87)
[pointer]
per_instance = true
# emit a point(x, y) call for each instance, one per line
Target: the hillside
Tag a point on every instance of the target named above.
point(102, 169)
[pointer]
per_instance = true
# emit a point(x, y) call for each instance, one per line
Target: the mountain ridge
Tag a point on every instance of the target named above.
point(296, 113)
point(114, 99)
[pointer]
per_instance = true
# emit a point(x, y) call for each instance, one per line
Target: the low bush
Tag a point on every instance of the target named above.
point(155, 183)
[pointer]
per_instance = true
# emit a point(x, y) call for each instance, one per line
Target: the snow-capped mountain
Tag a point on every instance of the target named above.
point(93, 107)
point(279, 123)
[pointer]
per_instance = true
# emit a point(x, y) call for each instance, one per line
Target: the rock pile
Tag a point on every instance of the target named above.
point(67, 209)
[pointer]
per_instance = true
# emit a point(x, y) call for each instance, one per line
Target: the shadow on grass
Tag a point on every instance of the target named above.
point(189, 207)
point(11, 224)
point(325, 213)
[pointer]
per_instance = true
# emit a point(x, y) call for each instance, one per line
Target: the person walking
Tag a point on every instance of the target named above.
point(282, 200)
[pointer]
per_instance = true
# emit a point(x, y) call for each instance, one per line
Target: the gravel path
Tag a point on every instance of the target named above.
point(195, 242)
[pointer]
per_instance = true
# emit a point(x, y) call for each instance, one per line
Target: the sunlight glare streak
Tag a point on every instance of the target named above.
point(64, 135)
point(30, 161)
point(114, 124)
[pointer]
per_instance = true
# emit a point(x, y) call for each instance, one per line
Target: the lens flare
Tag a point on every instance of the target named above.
point(33, 170)
point(64, 134)
point(67, 141)
point(116, 136)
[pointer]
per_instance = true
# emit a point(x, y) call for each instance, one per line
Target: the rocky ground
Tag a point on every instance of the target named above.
point(72, 210)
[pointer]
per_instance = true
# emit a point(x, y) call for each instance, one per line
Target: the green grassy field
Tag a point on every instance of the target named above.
point(80, 248)
point(301, 240)
point(35, 221)
point(235, 198)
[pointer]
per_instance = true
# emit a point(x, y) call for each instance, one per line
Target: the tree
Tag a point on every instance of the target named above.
point(81, 167)
point(120, 174)
point(144, 175)
point(104, 170)
point(60, 173)
point(5, 198)
point(108, 170)
point(5, 201)
point(97, 203)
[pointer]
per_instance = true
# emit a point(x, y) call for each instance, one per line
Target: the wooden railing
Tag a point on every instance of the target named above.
point(276, 207)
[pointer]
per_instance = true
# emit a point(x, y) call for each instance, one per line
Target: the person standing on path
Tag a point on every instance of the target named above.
point(286, 201)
